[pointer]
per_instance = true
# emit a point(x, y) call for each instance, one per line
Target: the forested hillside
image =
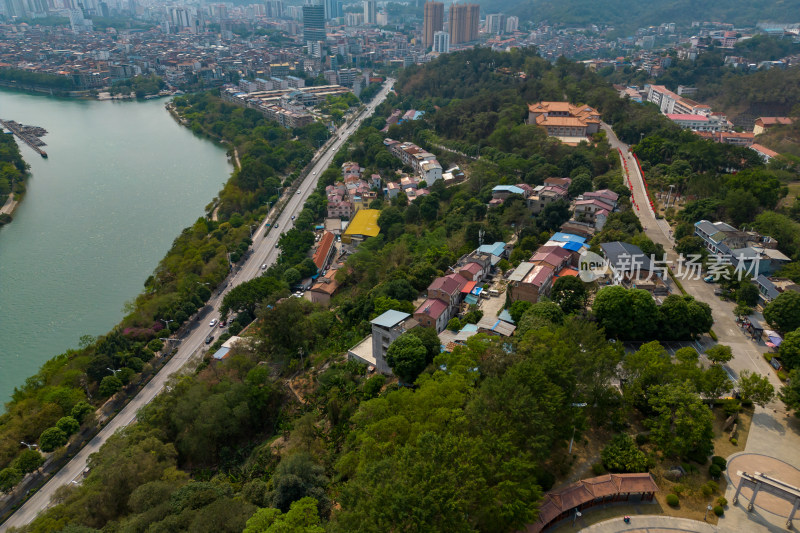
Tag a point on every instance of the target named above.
point(628, 15)
point(13, 171)
point(285, 435)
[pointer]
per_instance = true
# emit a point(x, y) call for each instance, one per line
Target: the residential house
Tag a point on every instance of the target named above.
point(765, 153)
point(473, 271)
point(502, 192)
point(392, 189)
point(423, 162)
point(385, 329)
point(447, 289)
point(633, 269)
point(322, 291)
point(433, 313)
point(544, 195)
point(324, 251)
point(764, 123)
point(591, 210)
point(529, 281)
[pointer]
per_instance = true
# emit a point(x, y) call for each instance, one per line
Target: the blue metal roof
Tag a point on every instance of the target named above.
point(567, 237)
point(495, 249)
point(513, 189)
point(506, 316)
point(390, 318)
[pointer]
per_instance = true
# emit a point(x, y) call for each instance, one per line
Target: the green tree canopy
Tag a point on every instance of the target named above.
point(783, 313)
point(407, 357)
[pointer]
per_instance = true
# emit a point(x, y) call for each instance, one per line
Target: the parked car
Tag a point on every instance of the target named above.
point(209, 339)
point(709, 279)
point(718, 292)
point(264, 266)
point(213, 322)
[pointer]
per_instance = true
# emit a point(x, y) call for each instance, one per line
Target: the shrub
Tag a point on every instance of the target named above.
point(719, 461)
point(8, 478)
point(52, 438)
point(783, 376)
point(722, 501)
point(598, 469)
point(714, 471)
point(734, 441)
point(672, 500)
point(768, 357)
point(698, 456)
point(622, 455)
point(731, 407)
point(642, 438)
point(28, 461)
point(80, 410)
point(678, 489)
point(706, 490)
point(718, 510)
point(68, 425)
point(373, 386)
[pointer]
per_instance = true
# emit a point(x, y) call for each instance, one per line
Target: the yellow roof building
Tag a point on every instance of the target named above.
point(363, 225)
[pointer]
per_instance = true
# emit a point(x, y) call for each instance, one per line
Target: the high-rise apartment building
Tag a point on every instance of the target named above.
point(495, 23)
point(512, 24)
point(464, 20)
point(333, 9)
point(370, 11)
point(313, 23)
point(441, 42)
point(434, 21)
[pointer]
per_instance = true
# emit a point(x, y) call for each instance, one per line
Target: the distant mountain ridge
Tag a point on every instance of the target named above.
point(628, 15)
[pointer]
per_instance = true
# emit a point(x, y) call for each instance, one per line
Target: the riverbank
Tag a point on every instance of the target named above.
point(84, 238)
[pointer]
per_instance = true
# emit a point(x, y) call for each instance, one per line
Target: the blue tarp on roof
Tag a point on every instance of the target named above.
point(567, 237)
point(477, 291)
point(471, 299)
point(573, 246)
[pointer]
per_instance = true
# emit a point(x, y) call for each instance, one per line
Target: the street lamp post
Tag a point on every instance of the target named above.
point(166, 322)
point(30, 446)
point(113, 371)
point(708, 508)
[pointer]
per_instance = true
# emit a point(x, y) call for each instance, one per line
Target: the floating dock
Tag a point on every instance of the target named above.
point(28, 134)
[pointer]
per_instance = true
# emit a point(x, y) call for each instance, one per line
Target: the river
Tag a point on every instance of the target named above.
point(121, 181)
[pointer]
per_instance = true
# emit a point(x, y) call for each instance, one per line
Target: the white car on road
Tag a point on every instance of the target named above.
point(213, 322)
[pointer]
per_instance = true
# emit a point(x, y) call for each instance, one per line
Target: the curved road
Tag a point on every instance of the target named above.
point(264, 251)
point(747, 355)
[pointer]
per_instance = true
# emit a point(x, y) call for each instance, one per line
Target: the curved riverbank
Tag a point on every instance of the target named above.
point(121, 181)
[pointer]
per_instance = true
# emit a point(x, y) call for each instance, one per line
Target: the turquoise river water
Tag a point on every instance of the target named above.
point(121, 181)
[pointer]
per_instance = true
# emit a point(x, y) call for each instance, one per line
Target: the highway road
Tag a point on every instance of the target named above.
point(193, 343)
